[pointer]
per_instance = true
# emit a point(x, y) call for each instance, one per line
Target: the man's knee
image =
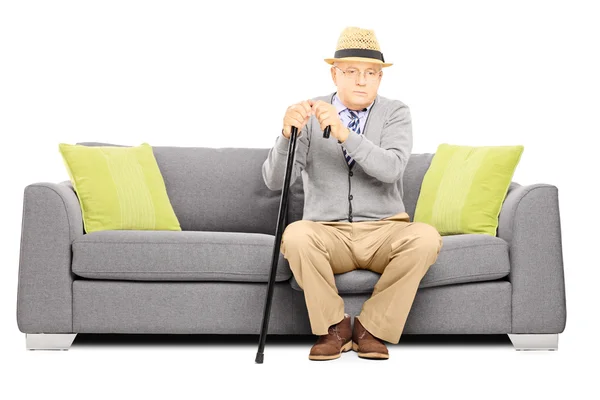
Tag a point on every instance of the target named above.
point(298, 233)
point(428, 237)
point(423, 236)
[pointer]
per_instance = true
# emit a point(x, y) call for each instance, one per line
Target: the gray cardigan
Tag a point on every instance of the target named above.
point(371, 189)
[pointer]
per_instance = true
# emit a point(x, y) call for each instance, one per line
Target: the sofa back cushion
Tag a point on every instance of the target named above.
point(217, 189)
point(222, 189)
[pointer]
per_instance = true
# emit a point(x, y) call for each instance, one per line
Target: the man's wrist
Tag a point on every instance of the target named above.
point(345, 135)
point(353, 141)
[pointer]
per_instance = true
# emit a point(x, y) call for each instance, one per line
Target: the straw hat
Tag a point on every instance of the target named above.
point(357, 44)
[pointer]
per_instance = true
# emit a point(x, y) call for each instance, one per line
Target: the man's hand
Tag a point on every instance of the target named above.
point(296, 115)
point(327, 115)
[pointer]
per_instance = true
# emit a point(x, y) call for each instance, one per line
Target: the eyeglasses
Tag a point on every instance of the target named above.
point(353, 73)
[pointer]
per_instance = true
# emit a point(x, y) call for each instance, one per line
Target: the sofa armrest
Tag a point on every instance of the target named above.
point(529, 222)
point(51, 221)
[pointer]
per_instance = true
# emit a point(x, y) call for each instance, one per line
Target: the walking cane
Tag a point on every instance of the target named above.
point(283, 203)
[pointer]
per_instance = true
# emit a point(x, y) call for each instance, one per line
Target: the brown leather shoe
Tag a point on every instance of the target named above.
point(337, 340)
point(367, 345)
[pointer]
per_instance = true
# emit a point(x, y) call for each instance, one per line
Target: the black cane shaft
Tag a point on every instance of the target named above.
point(278, 234)
point(283, 206)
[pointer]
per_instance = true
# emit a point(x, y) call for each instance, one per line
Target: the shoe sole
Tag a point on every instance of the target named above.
point(372, 355)
point(345, 348)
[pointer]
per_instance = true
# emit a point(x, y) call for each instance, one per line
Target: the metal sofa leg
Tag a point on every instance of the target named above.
point(531, 341)
point(49, 341)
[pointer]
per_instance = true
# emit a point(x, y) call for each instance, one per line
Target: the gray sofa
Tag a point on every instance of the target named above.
point(211, 277)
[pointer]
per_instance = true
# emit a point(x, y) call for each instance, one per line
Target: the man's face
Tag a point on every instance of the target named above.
point(356, 92)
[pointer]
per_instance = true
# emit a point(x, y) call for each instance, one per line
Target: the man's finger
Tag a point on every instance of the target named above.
point(298, 119)
point(298, 114)
point(307, 107)
point(315, 108)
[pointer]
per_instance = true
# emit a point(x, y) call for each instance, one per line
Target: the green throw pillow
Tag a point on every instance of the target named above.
point(464, 188)
point(119, 188)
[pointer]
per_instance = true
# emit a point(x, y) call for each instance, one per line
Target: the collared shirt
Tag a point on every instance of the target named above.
point(344, 113)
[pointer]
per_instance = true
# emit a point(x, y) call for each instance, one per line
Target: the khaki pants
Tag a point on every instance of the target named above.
point(399, 250)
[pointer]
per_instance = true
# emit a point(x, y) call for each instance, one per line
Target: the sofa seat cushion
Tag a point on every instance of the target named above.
point(463, 258)
point(177, 256)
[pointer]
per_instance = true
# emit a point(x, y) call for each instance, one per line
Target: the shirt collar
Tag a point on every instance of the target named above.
point(341, 107)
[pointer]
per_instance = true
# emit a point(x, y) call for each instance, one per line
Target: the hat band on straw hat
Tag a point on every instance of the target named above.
point(366, 53)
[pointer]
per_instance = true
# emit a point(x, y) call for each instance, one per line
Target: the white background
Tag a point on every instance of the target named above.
point(221, 74)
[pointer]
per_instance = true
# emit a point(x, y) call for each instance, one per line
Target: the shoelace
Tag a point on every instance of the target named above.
point(363, 333)
point(332, 330)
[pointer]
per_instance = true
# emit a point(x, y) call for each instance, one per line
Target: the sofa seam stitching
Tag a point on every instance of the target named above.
point(173, 272)
point(174, 243)
point(440, 280)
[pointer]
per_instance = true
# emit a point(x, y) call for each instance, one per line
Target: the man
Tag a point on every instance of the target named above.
point(354, 216)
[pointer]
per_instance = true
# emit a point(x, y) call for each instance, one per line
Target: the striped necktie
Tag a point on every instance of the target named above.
point(353, 125)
